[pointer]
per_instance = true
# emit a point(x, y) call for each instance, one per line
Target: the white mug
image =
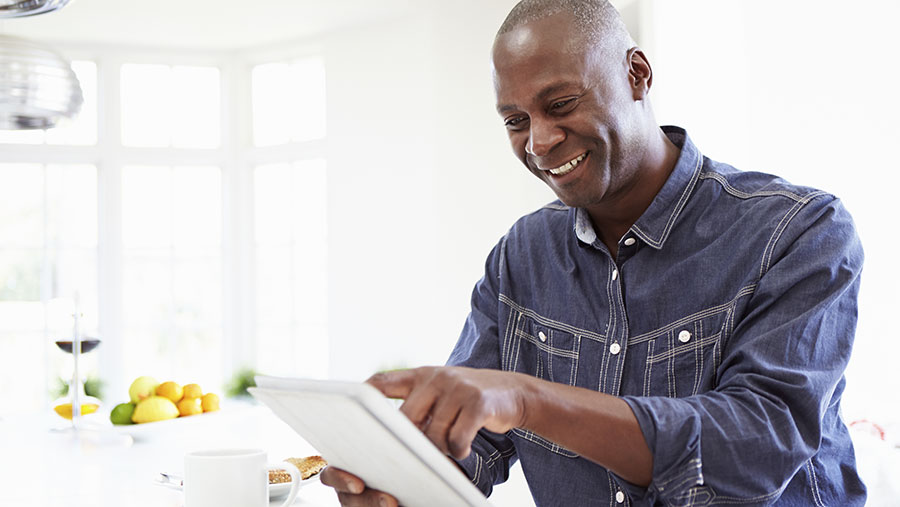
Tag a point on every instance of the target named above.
point(232, 478)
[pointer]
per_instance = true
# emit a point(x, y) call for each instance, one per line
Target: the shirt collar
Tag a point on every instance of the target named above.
point(654, 226)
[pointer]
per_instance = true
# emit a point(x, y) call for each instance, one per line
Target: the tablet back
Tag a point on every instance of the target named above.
point(356, 428)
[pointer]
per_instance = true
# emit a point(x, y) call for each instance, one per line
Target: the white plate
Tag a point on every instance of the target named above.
point(282, 489)
point(275, 490)
point(144, 431)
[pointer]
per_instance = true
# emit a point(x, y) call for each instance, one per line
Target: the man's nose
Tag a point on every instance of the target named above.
point(543, 137)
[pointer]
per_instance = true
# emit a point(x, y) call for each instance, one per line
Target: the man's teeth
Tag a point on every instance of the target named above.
point(568, 166)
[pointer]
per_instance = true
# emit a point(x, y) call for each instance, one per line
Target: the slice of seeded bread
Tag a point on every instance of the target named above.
point(308, 466)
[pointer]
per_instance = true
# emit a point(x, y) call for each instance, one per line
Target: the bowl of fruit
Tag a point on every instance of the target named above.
point(152, 402)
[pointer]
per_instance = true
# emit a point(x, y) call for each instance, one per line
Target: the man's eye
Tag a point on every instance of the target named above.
point(514, 122)
point(561, 103)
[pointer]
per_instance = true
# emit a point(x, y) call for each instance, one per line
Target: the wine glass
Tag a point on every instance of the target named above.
point(76, 403)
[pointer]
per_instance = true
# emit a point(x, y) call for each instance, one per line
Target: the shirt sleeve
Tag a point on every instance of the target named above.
point(478, 347)
point(782, 368)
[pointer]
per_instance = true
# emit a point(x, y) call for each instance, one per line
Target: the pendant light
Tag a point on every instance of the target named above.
point(37, 85)
point(19, 8)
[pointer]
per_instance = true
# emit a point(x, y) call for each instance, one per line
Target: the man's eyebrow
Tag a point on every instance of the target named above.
point(542, 95)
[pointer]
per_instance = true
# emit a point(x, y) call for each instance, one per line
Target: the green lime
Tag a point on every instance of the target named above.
point(122, 413)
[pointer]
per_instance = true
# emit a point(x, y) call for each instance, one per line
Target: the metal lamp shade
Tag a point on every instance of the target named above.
point(37, 86)
point(19, 8)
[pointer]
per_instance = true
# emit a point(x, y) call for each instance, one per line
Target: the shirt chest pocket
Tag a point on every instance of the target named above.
point(682, 357)
point(542, 350)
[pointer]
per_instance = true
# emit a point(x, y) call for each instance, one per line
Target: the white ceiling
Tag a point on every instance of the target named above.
point(200, 24)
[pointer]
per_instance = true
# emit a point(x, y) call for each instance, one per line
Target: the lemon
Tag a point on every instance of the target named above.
point(170, 390)
point(122, 413)
point(189, 406)
point(154, 408)
point(192, 391)
point(141, 388)
point(65, 409)
point(210, 402)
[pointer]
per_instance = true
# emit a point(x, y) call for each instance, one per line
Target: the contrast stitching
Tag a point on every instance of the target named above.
point(670, 365)
point(744, 195)
point(543, 346)
point(814, 482)
point(648, 369)
point(551, 322)
point(702, 314)
point(769, 252)
point(682, 349)
point(691, 465)
point(698, 358)
point(478, 463)
point(755, 499)
point(676, 210)
point(546, 444)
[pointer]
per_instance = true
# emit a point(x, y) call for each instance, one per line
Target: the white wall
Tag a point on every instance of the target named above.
point(807, 90)
point(422, 183)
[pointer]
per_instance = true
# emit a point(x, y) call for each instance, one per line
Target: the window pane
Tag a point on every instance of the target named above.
point(146, 104)
point(273, 215)
point(291, 274)
point(21, 136)
point(21, 205)
point(272, 114)
point(173, 273)
point(288, 102)
point(195, 107)
point(83, 129)
point(146, 207)
point(197, 204)
point(48, 254)
point(308, 80)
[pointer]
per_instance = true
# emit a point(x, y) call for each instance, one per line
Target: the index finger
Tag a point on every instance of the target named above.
point(342, 481)
point(394, 384)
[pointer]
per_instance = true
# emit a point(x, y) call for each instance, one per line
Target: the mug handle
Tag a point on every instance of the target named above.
point(295, 479)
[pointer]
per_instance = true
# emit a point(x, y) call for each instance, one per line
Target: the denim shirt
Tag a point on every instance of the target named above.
point(725, 322)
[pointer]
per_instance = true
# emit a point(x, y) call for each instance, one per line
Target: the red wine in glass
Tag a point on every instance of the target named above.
point(87, 345)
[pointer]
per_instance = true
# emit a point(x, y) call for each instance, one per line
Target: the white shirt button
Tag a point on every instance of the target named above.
point(614, 348)
point(684, 336)
point(629, 241)
point(542, 336)
point(615, 274)
point(620, 497)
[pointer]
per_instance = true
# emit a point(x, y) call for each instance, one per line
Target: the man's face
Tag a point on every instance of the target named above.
point(569, 110)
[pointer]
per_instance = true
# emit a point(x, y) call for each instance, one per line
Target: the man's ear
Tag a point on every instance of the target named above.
point(640, 75)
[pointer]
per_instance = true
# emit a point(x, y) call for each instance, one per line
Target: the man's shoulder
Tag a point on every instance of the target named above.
point(548, 217)
point(754, 185)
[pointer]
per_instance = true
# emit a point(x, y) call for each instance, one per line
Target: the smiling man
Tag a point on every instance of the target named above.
point(671, 331)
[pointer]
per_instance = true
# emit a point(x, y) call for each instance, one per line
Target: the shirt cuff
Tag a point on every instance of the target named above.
point(676, 469)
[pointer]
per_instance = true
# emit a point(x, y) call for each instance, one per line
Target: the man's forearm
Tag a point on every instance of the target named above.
point(597, 426)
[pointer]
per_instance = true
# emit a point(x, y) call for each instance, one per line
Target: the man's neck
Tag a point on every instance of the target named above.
point(613, 219)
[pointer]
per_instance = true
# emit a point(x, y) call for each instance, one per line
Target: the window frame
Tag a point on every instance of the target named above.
point(236, 157)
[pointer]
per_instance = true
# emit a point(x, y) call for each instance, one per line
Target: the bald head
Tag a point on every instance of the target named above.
point(595, 22)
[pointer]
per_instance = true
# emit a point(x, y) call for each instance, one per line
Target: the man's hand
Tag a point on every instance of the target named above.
point(352, 491)
point(450, 404)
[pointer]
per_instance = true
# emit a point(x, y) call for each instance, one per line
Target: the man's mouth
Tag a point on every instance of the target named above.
point(568, 166)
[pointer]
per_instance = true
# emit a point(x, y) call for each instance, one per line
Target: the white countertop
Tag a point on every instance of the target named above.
point(39, 467)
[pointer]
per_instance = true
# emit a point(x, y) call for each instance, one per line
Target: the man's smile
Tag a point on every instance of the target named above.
point(567, 167)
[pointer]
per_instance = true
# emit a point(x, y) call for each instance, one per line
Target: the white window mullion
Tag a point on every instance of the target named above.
point(109, 231)
point(240, 345)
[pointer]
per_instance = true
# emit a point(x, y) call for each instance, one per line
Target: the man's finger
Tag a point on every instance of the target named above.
point(463, 432)
point(341, 481)
point(394, 384)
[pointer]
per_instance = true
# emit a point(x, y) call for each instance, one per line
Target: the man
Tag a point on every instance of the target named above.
point(671, 331)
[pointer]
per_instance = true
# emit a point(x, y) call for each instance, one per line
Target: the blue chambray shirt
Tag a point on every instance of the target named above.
point(725, 322)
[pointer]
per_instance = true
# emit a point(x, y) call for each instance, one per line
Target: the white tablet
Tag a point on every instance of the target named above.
point(357, 429)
